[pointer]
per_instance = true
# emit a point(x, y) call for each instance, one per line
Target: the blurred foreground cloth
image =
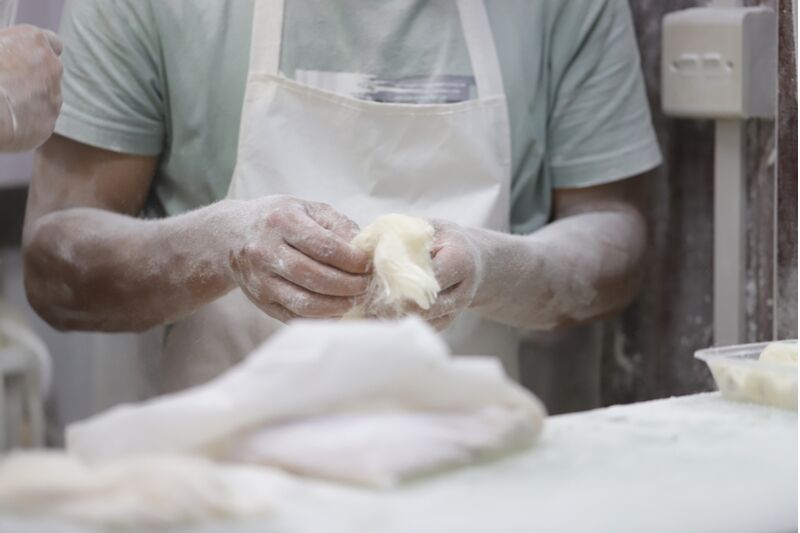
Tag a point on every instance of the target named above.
point(365, 402)
point(25, 378)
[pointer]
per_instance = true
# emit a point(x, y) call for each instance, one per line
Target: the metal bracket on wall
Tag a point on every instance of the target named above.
point(720, 62)
point(729, 232)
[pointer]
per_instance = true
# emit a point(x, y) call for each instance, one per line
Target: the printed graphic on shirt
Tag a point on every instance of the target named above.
point(441, 89)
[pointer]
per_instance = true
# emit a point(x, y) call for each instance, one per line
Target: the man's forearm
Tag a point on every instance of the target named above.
point(577, 268)
point(91, 269)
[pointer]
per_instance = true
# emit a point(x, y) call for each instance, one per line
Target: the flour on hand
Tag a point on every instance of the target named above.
point(400, 246)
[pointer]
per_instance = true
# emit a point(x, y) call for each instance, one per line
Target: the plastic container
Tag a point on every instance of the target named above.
point(741, 376)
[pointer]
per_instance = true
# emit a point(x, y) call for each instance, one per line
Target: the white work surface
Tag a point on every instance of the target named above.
point(696, 463)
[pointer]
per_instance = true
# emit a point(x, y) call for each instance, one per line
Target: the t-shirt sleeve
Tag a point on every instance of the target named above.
point(599, 127)
point(113, 84)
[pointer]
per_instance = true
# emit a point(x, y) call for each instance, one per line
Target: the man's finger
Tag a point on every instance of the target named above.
point(325, 246)
point(329, 218)
point(307, 304)
point(448, 267)
point(55, 42)
point(254, 292)
point(451, 301)
point(318, 277)
point(442, 322)
point(277, 311)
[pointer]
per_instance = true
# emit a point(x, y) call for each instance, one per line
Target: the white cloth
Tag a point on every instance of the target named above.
point(364, 401)
point(676, 465)
point(385, 448)
point(141, 492)
point(366, 159)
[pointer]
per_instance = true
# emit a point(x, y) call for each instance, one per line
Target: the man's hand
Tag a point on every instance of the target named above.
point(458, 268)
point(295, 258)
point(582, 266)
point(90, 264)
point(30, 87)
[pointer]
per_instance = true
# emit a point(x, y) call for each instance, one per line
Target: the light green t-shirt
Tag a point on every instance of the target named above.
point(167, 78)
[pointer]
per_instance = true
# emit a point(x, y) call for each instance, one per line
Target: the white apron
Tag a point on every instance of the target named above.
point(366, 159)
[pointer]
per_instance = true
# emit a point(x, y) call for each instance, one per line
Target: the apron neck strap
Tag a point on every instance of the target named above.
point(265, 48)
point(481, 47)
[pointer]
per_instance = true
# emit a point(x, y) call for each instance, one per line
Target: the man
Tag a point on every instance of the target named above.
point(520, 128)
point(30, 87)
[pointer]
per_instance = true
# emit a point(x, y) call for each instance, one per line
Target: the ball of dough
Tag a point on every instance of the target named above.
point(400, 246)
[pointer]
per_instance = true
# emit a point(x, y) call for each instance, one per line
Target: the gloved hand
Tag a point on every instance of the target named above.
point(293, 258)
point(30, 87)
point(458, 267)
point(579, 267)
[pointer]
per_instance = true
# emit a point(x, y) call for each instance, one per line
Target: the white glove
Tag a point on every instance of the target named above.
point(457, 263)
point(293, 258)
point(572, 270)
point(551, 277)
point(30, 87)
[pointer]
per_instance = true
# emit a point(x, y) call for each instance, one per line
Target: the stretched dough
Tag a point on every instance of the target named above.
point(400, 246)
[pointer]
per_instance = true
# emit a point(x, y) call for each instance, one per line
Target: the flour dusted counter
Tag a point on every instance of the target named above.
point(695, 463)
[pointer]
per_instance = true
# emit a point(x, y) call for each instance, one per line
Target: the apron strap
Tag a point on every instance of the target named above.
point(265, 42)
point(481, 47)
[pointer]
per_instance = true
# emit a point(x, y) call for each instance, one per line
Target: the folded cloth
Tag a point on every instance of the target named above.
point(383, 448)
point(141, 492)
point(365, 401)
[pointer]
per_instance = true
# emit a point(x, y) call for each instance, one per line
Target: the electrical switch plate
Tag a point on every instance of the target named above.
point(719, 62)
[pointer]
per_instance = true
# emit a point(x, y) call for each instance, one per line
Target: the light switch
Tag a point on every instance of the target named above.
point(719, 62)
point(713, 66)
point(687, 65)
